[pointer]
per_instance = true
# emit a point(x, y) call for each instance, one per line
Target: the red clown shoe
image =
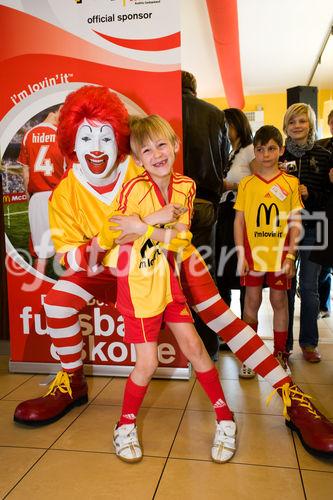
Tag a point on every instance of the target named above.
point(313, 428)
point(65, 392)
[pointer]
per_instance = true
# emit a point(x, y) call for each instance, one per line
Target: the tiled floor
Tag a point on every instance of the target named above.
point(74, 459)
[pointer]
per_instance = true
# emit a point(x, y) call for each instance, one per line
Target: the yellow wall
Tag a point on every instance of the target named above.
point(274, 105)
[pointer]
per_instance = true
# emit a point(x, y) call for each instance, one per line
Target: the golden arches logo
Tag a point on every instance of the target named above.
point(267, 212)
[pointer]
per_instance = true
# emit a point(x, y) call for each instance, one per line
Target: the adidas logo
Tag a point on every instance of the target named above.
point(129, 416)
point(184, 312)
point(279, 282)
point(219, 403)
point(267, 195)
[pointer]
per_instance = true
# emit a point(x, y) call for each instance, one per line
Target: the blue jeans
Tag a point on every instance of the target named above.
point(324, 285)
point(308, 283)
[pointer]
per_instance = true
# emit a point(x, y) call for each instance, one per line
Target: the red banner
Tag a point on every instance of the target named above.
point(132, 48)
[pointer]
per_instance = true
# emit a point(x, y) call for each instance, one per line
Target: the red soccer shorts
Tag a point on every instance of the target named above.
point(277, 281)
point(139, 330)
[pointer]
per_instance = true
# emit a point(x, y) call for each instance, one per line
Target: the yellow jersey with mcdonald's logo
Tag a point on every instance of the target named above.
point(147, 274)
point(267, 206)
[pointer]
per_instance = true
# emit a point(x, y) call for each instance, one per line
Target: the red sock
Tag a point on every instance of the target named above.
point(280, 341)
point(133, 397)
point(211, 384)
point(254, 326)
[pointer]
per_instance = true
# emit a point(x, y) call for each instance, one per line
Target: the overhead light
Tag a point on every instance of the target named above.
point(325, 54)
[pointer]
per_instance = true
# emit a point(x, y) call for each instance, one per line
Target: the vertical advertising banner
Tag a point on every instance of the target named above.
point(49, 49)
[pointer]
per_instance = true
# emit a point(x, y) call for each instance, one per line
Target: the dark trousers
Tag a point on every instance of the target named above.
point(203, 230)
point(226, 296)
point(324, 284)
point(308, 284)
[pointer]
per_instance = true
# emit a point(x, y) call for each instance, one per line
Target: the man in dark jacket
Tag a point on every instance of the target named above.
point(206, 149)
point(327, 143)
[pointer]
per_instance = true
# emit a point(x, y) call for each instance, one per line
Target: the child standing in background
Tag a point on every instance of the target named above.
point(267, 229)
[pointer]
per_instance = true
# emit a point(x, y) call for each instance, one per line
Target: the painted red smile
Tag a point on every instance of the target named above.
point(97, 165)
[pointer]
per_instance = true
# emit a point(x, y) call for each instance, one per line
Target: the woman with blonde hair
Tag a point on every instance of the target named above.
point(311, 163)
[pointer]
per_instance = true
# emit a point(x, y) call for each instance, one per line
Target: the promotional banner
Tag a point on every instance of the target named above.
point(49, 49)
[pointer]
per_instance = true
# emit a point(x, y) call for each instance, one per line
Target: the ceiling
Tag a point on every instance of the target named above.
point(280, 43)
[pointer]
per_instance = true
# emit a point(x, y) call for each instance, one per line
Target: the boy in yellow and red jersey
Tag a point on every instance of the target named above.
point(78, 208)
point(267, 229)
point(148, 284)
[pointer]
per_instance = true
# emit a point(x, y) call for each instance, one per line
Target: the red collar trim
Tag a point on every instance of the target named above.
point(158, 191)
point(107, 188)
point(270, 180)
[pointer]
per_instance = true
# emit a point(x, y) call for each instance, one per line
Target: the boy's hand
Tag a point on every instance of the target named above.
point(131, 227)
point(288, 268)
point(303, 191)
point(243, 267)
point(129, 238)
point(169, 213)
point(283, 165)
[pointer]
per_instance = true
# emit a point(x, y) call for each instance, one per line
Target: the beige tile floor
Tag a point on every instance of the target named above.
point(74, 458)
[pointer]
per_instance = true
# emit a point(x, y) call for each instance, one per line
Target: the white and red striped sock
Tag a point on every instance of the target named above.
point(62, 305)
point(244, 342)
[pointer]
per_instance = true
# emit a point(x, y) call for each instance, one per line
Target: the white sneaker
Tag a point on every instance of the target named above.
point(246, 372)
point(224, 445)
point(126, 443)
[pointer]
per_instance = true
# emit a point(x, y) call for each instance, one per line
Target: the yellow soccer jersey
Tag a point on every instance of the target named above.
point(147, 276)
point(267, 206)
point(77, 210)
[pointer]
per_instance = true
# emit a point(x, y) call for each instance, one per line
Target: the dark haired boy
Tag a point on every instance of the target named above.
point(267, 228)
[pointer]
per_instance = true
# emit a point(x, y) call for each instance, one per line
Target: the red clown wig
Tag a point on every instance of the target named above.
point(93, 104)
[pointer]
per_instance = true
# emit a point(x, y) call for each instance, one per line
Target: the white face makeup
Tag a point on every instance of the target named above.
point(96, 149)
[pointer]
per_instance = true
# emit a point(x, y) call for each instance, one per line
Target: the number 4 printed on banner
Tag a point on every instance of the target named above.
point(43, 164)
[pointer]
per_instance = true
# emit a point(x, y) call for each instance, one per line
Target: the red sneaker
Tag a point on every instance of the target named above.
point(313, 428)
point(65, 392)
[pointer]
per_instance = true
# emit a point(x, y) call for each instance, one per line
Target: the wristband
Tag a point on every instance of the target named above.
point(290, 256)
point(149, 232)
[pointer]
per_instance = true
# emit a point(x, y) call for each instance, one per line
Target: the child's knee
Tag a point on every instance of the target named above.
point(195, 347)
point(147, 366)
point(253, 302)
point(278, 300)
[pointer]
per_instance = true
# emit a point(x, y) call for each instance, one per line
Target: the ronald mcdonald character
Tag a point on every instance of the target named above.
point(93, 132)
